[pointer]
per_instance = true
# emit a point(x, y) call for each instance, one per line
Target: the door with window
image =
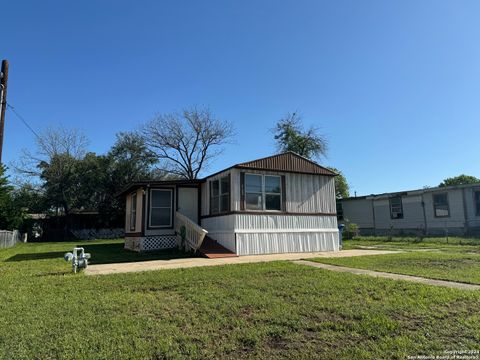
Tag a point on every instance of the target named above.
point(188, 202)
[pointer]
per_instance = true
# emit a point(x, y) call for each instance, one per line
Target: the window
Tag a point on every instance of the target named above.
point(339, 211)
point(133, 211)
point(396, 208)
point(477, 203)
point(225, 194)
point(220, 195)
point(440, 205)
point(273, 196)
point(161, 207)
point(263, 192)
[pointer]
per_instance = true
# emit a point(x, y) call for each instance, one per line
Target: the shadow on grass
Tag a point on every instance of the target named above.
point(107, 254)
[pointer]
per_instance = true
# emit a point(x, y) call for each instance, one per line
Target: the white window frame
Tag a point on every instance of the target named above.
point(133, 213)
point(264, 193)
point(160, 207)
point(400, 207)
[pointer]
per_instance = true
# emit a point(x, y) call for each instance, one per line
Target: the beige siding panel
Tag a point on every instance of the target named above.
point(412, 214)
point(138, 219)
point(274, 243)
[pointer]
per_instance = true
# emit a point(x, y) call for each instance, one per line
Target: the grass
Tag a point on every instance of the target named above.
point(269, 310)
point(459, 260)
point(414, 243)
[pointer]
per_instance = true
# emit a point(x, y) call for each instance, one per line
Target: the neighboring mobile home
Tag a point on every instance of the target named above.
point(282, 203)
point(452, 210)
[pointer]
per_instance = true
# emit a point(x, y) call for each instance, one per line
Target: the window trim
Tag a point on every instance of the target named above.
point(219, 196)
point(150, 202)
point(475, 201)
point(264, 193)
point(434, 206)
point(132, 228)
point(339, 205)
point(401, 207)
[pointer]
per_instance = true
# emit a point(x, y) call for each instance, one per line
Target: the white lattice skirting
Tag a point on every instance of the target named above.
point(158, 242)
point(150, 243)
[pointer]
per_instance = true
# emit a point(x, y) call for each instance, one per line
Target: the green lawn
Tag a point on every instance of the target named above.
point(432, 258)
point(269, 310)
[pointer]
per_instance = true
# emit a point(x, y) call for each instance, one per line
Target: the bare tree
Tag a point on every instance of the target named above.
point(50, 143)
point(186, 142)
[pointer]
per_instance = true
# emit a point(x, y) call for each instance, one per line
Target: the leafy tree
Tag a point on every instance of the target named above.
point(10, 214)
point(290, 135)
point(184, 143)
point(128, 160)
point(342, 189)
point(460, 180)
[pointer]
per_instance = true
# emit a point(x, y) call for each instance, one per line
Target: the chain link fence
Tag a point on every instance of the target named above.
point(9, 238)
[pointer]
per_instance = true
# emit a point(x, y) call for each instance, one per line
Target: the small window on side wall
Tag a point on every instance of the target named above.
point(133, 211)
point(440, 205)
point(339, 211)
point(396, 208)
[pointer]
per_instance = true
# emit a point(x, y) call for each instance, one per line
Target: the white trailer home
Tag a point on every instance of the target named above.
point(282, 203)
point(452, 210)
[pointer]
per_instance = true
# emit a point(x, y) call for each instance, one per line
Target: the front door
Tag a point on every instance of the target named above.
point(188, 202)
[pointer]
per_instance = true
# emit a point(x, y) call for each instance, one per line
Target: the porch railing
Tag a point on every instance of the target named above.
point(189, 235)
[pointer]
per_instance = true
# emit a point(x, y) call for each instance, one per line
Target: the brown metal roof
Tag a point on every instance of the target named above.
point(288, 162)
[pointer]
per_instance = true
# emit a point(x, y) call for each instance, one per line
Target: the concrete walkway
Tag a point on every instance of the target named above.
point(426, 281)
point(104, 269)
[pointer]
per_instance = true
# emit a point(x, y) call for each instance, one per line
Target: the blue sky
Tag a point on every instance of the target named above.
point(394, 85)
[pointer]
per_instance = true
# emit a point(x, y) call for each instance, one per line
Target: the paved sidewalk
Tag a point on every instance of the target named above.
point(105, 269)
point(418, 279)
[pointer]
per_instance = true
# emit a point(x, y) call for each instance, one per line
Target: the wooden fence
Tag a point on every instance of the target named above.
point(9, 238)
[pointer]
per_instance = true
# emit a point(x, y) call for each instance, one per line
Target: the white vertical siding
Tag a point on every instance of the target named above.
point(310, 193)
point(273, 243)
point(253, 222)
point(304, 192)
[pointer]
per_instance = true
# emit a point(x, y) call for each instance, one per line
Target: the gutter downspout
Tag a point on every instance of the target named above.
point(424, 216)
point(465, 216)
point(374, 222)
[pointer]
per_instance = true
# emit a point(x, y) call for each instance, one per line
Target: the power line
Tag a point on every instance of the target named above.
point(23, 120)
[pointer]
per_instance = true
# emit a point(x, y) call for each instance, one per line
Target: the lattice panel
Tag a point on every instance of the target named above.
point(159, 242)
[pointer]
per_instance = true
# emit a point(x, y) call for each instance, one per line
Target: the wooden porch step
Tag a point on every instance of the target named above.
point(213, 250)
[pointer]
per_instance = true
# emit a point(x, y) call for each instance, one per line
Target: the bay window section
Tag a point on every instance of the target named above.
point(161, 207)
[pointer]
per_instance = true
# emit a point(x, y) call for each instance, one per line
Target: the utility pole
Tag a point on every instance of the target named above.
point(3, 101)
